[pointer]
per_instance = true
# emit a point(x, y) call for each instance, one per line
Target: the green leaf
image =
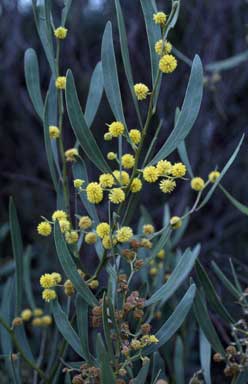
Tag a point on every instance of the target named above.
point(226, 282)
point(222, 174)
point(17, 247)
point(65, 328)
point(241, 207)
point(65, 11)
point(229, 63)
point(205, 357)
point(107, 376)
point(188, 114)
point(211, 294)
point(27, 277)
point(21, 335)
point(173, 17)
point(153, 34)
point(242, 378)
point(82, 312)
point(158, 368)
point(203, 319)
point(179, 361)
point(106, 329)
point(184, 157)
point(80, 127)
point(126, 57)
point(110, 75)
point(70, 268)
point(175, 320)
point(177, 277)
point(142, 375)
point(94, 95)
point(32, 77)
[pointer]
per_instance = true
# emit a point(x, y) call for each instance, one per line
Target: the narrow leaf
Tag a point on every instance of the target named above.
point(32, 77)
point(241, 207)
point(82, 325)
point(94, 95)
point(27, 277)
point(205, 357)
point(184, 157)
point(70, 268)
point(65, 11)
point(179, 361)
point(142, 375)
point(226, 282)
point(229, 63)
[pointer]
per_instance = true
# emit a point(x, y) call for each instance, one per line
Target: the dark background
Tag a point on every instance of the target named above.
point(216, 30)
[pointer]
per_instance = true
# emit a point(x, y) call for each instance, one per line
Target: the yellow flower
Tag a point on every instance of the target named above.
point(153, 271)
point(26, 314)
point(116, 129)
point(46, 320)
point(47, 280)
point(164, 167)
point(127, 161)
point(94, 193)
point(122, 177)
point(54, 132)
point(146, 243)
point(178, 170)
point(111, 156)
point(71, 154)
point(59, 215)
point(135, 136)
point(167, 63)
point(48, 295)
point(117, 196)
point(44, 228)
point(167, 185)
point(124, 234)
point(90, 238)
point(161, 254)
point(136, 344)
point(106, 242)
point(78, 183)
point(71, 237)
point(166, 46)
point(85, 222)
point(64, 225)
point(153, 339)
point(175, 222)
point(159, 18)
point(60, 33)
point(108, 136)
point(56, 277)
point(69, 288)
point(60, 82)
point(103, 229)
point(197, 183)
point(136, 185)
point(148, 229)
point(213, 176)
point(37, 322)
point(141, 91)
point(94, 284)
point(106, 180)
point(150, 174)
point(37, 312)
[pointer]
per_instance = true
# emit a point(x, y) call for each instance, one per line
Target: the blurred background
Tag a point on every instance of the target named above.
point(214, 29)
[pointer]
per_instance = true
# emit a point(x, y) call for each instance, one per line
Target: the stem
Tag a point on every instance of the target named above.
point(22, 353)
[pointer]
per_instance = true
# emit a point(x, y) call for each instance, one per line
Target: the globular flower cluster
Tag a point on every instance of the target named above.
point(35, 316)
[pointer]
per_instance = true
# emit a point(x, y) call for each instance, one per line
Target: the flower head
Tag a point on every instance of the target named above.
point(94, 284)
point(117, 196)
point(71, 237)
point(103, 229)
point(69, 288)
point(197, 183)
point(136, 185)
point(37, 312)
point(159, 18)
point(106, 242)
point(54, 132)
point(167, 185)
point(122, 177)
point(47, 280)
point(161, 254)
point(213, 176)
point(56, 277)
point(48, 295)
point(111, 156)
point(60, 82)
point(127, 161)
point(148, 229)
point(44, 228)
point(90, 238)
point(94, 193)
point(26, 314)
point(85, 222)
point(71, 154)
point(164, 167)
point(59, 215)
point(135, 136)
point(150, 174)
point(167, 63)
point(46, 320)
point(178, 170)
point(163, 47)
point(60, 33)
point(78, 183)
point(64, 225)
point(106, 180)
point(176, 222)
point(141, 91)
point(124, 234)
point(116, 129)
point(108, 136)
